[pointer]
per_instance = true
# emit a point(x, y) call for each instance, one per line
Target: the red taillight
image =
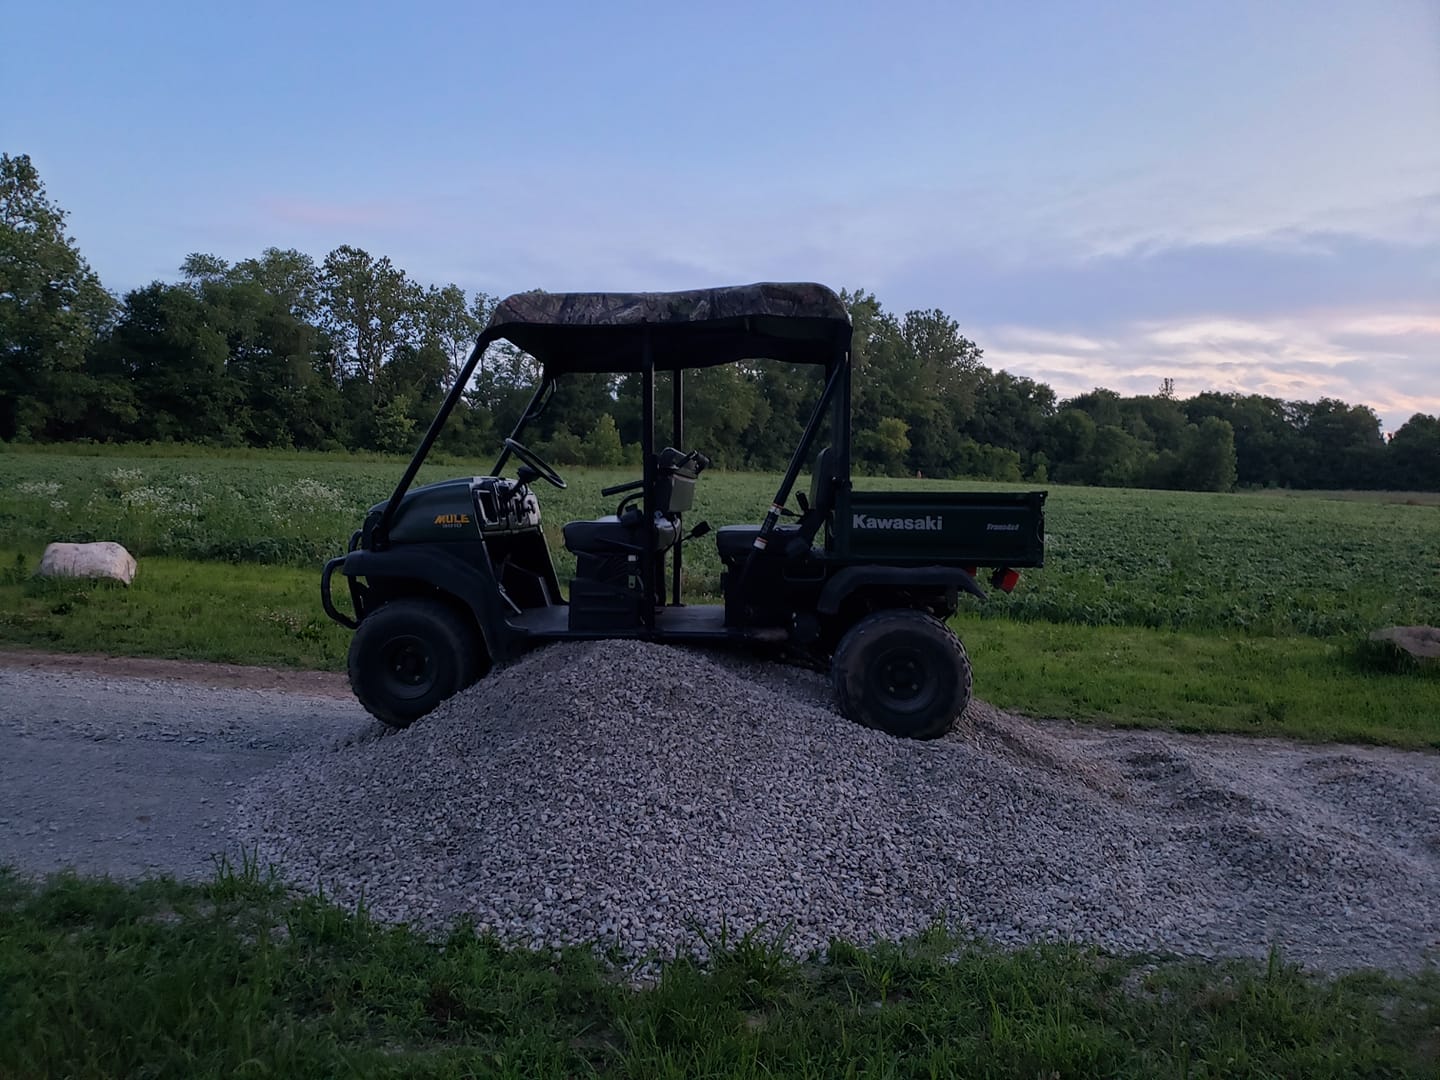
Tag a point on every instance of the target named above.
point(971, 570)
point(1005, 579)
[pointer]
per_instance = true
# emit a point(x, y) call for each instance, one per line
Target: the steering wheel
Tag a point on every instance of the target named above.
point(529, 457)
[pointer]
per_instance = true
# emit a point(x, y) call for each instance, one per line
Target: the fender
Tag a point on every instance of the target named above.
point(474, 585)
point(858, 577)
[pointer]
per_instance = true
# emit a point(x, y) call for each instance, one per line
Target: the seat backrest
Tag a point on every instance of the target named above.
point(674, 482)
point(822, 501)
point(675, 494)
point(822, 482)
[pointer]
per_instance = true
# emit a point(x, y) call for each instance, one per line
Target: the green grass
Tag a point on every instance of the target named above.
point(176, 608)
point(234, 978)
point(1407, 498)
point(1172, 560)
point(1305, 688)
point(1300, 687)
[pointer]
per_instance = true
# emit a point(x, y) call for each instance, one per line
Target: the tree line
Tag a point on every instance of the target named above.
point(350, 352)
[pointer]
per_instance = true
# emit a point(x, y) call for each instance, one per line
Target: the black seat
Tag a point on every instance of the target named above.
point(735, 541)
point(609, 534)
point(676, 472)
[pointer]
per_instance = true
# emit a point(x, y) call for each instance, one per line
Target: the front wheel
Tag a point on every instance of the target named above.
point(904, 672)
point(410, 655)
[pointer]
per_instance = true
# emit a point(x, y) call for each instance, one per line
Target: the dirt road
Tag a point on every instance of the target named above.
point(127, 767)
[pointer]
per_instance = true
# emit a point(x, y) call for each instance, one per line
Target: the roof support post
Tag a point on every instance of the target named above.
point(840, 421)
point(647, 450)
point(431, 434)
point(836, 373)
point(677, 433)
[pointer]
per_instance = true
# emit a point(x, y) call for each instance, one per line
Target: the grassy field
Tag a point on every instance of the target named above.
point(1264, 565)
point(176, 608)
point(1202, 612)
point(235, 978)
point(1296, 686)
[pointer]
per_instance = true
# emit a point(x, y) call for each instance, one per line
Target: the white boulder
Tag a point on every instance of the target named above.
point(102, 560)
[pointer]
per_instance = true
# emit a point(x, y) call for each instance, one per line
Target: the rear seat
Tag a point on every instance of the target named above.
point(735, 541)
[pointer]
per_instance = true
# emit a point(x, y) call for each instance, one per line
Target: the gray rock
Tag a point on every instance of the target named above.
point(1421, 642)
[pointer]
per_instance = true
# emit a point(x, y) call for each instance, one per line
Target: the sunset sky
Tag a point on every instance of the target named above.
point(1240, 196)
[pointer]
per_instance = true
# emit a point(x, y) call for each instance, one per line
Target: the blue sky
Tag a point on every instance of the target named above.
point(1234, 195)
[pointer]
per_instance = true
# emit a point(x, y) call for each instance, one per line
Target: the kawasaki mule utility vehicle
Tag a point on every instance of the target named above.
point(450, 578)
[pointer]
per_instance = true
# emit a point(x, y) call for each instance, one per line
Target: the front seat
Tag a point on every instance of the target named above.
point(675, 474)
point(609, 535)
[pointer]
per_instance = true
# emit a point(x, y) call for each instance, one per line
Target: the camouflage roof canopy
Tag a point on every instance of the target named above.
point(795, 322)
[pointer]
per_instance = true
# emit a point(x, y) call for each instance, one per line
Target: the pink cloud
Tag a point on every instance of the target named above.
point(1389, 360)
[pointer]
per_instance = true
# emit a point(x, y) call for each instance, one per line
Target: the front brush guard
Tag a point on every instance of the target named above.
point(356, 589)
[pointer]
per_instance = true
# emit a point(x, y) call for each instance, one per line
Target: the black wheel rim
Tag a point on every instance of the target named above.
point(408, 667)
point(903, 682)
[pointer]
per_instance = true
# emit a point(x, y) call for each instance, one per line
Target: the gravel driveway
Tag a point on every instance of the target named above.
point(645, 796)
point(131, 770)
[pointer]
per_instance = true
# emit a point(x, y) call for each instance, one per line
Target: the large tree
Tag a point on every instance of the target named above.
point(371, 308)
point(1344, 446)
point(1208, 453)
point(451, 323)
point(173, 350)
point(290, 276)
point(51, 308)
point(1414, 453)
point(1011, 411)
point(278, 361)
point(1269, 445)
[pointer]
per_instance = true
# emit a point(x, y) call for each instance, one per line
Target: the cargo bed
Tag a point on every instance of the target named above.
point(976, 528)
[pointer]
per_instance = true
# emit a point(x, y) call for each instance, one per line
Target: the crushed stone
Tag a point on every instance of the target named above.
point(652, 799)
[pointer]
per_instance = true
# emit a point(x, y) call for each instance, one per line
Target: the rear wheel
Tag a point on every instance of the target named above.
point(410, 655)
point(904, 672)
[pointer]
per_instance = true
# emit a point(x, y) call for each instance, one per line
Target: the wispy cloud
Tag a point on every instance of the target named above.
point(1210, 333)
point(1031, 337)
point(1158, 214)
point(1385, 359)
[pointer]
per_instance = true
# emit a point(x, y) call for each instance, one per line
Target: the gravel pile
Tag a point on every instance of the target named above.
point(642, 795)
